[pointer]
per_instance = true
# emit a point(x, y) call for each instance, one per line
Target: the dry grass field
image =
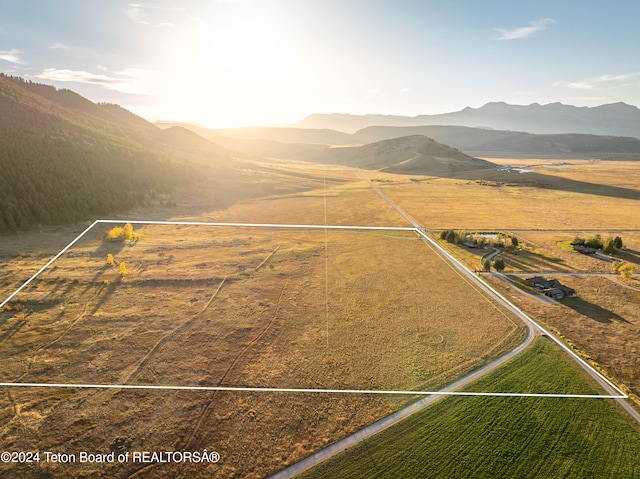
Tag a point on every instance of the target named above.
point(352, 309)
point(603, 321)
point(209, 306)
point(586, 195)
point(332, 195)
point(581, 195)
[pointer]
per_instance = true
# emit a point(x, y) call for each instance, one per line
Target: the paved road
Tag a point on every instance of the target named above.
point(533, 330)
point(606, 385)
point(396, 417)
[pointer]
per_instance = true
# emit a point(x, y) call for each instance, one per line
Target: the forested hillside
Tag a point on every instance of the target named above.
point(64, 158)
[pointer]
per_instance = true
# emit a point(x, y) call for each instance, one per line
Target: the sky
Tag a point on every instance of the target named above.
point(234, 63)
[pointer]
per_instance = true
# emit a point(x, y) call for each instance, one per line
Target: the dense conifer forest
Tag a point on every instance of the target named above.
point(64, 158)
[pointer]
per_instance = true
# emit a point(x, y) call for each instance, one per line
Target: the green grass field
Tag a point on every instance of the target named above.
point(503, 437)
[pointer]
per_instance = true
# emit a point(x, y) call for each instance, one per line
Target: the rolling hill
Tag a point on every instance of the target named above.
point(415, 154)
point(64, 158)
point(472, 141)
point(616, 119)
point(498, 143)
point(298, 143)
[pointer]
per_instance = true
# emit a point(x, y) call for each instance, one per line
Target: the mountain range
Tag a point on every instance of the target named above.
point(64, 158)
point(305, 143)
point(616, 119)
point(500, 143)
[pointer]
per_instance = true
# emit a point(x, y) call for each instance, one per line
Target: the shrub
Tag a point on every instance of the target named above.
point(627, 270)
point(595, 242)
point(486, 264)
point(127, 232)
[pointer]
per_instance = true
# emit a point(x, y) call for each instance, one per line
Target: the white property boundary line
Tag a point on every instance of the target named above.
point(302, 390)
point(298, 390)
point(26, 283)
point(526, 316)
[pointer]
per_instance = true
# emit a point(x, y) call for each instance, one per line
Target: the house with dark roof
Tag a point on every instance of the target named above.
point(584, 249)
point(552, 288)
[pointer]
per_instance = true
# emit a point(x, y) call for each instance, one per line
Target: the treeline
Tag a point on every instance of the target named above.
point(51, 177)
point(608, 245)
point(64, 158)
point(494, 240)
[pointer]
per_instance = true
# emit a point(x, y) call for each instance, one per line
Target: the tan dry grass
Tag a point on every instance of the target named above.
point(443, 203)
point(392, 325)
point(273, 318)
point(604, 322)
point(343, 199)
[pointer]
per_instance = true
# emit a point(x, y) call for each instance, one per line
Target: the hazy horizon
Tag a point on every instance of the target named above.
point(235, 63)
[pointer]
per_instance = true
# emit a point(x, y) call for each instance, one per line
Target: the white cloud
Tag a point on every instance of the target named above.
point(60, 46)
point(595, 82)
point(147, 14)
point(522, 32)
point(136, 14)
point(144, 82)
point(11, 56)
point(78, 76)
point(131, 80)
point(371, 93)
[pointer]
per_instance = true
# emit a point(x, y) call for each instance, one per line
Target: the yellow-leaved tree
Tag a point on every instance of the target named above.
point(127, 232)
point(626, 270)
point(123, 269)
point(115, 233)
point(109, 258)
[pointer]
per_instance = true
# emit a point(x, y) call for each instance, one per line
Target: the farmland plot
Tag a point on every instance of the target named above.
point(205, 306)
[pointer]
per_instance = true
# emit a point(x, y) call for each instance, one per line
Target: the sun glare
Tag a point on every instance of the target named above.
point(226, 72)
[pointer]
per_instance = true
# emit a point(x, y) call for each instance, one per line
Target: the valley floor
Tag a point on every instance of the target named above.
point(296, 308)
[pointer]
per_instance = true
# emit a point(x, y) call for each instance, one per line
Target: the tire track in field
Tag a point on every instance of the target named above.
point(77, 319)
point(180, 329)
point(205, 412)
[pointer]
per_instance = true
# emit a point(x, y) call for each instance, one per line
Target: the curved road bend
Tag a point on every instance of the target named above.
point(533, 330)
point(396, 417)
point(532, 325)
point(378, 426)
